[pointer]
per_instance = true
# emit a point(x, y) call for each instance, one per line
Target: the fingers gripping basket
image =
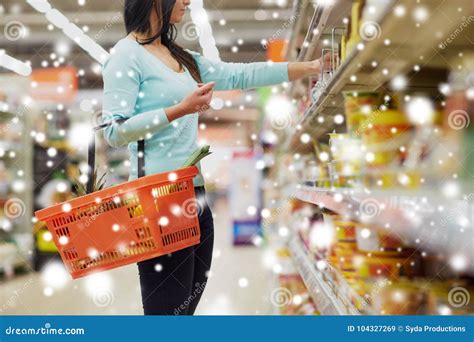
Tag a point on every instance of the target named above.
point(127, 223)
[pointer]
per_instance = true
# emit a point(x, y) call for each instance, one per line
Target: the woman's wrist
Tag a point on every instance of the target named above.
point(314, 67)
point(175, 112)
point(299, 70)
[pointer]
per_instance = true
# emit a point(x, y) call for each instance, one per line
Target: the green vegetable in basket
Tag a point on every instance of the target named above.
point(99, 184)
point(197, 155)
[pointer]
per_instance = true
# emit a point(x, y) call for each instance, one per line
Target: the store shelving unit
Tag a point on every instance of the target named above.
point(299, 8)
point(331, 295)
point(440, 227)
point(396, 51)
point(407, 42)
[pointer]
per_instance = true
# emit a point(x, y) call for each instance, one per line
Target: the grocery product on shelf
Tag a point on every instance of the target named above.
point(387, 132)
point(323, 163)
point(370, 269)
point(354, 25)
point(359, 106)
point(403, 298)
point(346, 165)
point(370, 239)
point(389, 233)
point(299, 303)
point(289, 295)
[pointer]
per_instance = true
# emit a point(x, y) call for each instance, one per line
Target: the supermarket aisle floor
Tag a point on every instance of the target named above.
point(238, 285)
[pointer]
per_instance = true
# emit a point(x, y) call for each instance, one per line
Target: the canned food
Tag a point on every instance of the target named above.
point(371, 239)
point(386, 265)
point(358, 108)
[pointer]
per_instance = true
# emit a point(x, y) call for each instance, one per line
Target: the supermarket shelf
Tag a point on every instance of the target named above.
point(325, 16)
point(330, 299)
point(299, 7)
point(398, 57)
point(421, 218)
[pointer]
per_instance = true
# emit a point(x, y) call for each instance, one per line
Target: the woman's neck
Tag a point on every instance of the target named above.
point(144, 36)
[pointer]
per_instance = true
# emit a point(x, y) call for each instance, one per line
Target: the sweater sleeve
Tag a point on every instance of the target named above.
point(122, 77)
point(242, 76)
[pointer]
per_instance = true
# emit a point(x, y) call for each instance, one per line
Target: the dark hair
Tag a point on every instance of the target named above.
point(137, 19)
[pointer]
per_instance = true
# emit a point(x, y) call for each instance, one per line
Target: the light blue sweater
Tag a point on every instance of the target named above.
point(138, 87)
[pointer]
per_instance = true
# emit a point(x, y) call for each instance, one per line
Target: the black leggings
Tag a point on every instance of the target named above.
point(175, 286)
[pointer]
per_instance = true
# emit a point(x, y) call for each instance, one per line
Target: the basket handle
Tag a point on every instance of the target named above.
point(91, 155)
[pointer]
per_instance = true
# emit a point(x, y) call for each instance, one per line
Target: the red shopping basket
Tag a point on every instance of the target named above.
point(126, 223)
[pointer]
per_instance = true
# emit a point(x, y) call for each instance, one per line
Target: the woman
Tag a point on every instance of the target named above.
point(158, 88)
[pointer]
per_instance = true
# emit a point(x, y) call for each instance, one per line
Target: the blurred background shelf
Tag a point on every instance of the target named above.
point(443, 227)
point(329, 294)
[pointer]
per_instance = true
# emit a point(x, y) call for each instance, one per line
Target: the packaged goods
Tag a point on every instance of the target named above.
point(345, 230)
point(344, 147)
point(342, 49)
point(388, 178)
point(358, 107)
point(384, 135)
point(391, 265)
point(346, 166)
point(354, 25)
point(370, 239)
point(452, 296)
point(403, 297)
point(322, 157)
point(345, 252)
